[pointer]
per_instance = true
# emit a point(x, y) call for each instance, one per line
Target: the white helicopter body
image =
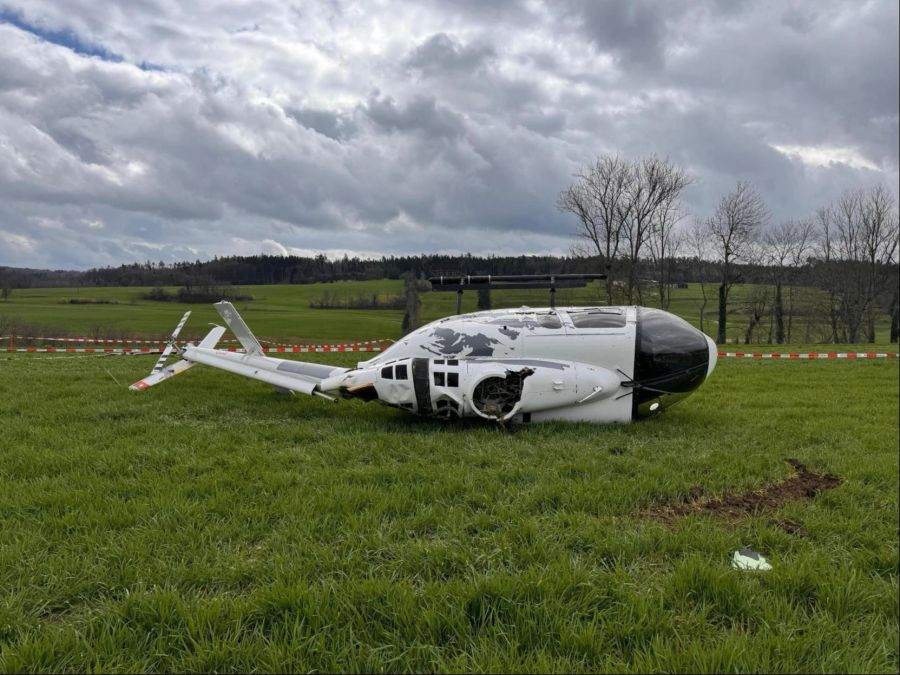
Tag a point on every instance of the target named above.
point(593, 364)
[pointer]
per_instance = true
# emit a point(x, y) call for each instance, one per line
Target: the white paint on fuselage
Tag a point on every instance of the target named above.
point(519, 333)
point(532, 333)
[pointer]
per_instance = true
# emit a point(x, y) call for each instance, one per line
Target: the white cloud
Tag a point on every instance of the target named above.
point(420, 127)
point(826, 156)
point(271, 247)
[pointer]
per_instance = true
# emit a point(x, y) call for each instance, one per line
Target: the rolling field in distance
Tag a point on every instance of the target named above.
point(210, 524)
point(283, 310)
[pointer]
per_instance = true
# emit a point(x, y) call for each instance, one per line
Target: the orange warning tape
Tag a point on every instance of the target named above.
point(811, 355)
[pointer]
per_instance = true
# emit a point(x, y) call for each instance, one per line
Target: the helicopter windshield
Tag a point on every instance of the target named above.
point(671, 359)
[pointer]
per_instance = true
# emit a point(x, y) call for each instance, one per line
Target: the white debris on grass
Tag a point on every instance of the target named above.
point(748, 559)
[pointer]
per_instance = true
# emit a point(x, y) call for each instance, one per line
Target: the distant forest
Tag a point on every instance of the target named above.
point(846, 310)
point(266, 269)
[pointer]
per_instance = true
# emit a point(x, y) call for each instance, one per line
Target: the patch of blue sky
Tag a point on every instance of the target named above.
point(68, 39)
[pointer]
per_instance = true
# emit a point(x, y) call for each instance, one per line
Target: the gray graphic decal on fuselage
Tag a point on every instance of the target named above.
point(448, 341)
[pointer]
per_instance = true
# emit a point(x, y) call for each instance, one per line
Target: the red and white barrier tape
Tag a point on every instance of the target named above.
point(104, 341)
point(344, 344)
point(299, 349)
point(812, 355)
point(162, 342)
point(148, 350)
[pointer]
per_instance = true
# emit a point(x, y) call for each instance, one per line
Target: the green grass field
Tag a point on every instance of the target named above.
point(282, 311)
point(210, 524)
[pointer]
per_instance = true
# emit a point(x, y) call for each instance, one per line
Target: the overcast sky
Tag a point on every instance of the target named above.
point(164, 130)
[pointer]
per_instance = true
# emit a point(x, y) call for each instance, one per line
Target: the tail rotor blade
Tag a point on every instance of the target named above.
point(168, 350)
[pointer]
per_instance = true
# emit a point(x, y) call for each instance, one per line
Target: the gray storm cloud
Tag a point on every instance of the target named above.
point(163, 132)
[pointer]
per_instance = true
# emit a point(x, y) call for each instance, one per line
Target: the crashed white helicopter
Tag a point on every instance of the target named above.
point(594, 364)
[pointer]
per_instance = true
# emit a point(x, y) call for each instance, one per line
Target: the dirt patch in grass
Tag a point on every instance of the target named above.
point(802, 484)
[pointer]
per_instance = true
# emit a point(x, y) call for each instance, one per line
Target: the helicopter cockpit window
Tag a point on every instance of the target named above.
point(671, 359)
point(548, 320)
point(597, 319)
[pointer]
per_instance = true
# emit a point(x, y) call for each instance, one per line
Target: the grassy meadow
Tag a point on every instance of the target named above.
point(283, 311)
point(209, 524)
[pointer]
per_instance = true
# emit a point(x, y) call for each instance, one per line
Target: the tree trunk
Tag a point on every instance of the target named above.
point(609, 281)
point(413, 304)
point(895, 324)
point(703, 306)
point(748, 335)
point(833, 321)
point(895, 316)
point(790, 321)
point(630, 288)
point(484, 298)
point(779, 315)
point(723, 306)
point(853, 325)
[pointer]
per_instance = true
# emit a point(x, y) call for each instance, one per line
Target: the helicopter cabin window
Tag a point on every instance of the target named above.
point(439, 379)
point(400, 372)
point(452, 379)
point(388, 372)
point(597, 319)
point(549, 320)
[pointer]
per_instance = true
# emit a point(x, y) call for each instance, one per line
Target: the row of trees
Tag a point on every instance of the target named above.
point(630, 215)
point(276, 269)
point(627, 212)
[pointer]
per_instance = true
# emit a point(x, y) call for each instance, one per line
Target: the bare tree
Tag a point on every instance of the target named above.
point(732, 228)
point(859, 239)
point(697, 242)
point(757, 302)
point(892, 307)
point(663, 244)
point(880, 240)
point(786, 245)
point(654, 196)
point(599, 198)
point(620, 204)
point(411, 319)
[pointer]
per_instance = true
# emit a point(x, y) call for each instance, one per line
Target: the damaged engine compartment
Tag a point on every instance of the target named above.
point(496, 390)
point(497, 397)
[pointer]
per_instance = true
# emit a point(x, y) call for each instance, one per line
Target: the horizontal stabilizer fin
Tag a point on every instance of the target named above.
point(161, 375)
point(212, 337)
point(161, 372)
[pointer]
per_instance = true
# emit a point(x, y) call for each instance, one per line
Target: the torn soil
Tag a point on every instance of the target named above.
point(802, 484)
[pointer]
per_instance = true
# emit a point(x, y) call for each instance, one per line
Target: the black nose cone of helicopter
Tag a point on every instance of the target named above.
point(671, 359)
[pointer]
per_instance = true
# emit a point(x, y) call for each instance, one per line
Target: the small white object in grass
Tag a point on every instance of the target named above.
point(748, 559)
point(653, 407)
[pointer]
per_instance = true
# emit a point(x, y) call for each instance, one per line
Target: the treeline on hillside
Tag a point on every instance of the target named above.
point(190, 293)
point(262, 269)
point(811, 295)
point(266, 269)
